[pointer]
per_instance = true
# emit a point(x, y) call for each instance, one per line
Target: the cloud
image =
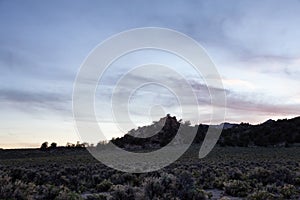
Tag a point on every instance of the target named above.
point(260, 30)
point(243, 103)
point(17, 62)
point(238, 83)
point(30, 102)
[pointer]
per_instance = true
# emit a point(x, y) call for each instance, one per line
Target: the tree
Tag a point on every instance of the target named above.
point(69, 145)
point(44, 146)
point(78, 145)
point(85, 144)
point(53, 145)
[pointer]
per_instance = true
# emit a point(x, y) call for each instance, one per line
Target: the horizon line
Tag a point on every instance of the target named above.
point(37, 146)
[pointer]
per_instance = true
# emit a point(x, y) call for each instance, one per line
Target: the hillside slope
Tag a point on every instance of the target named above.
point(283, 132)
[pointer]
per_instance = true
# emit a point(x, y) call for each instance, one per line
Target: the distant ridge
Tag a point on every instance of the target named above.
point(283, 132)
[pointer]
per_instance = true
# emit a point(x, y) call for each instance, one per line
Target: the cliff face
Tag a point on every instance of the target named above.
point(270, 133)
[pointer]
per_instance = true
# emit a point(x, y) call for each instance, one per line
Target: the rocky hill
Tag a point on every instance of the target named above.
point(283, 132)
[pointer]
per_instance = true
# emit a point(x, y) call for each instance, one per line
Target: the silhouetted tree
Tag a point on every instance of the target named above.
point(53, 145)
point(44, 146)
point(78, 145)
point(85, 144)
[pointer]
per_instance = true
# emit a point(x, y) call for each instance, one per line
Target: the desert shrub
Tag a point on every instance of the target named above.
point(206, 178)
point(261, 195)
point(104, 186)
point(235, 173)
point(225, 198)
point(185, 187)
point(261, 175)
point(219, 182)
point(18, 189)
point(237, 188)
point(129, 178)
point(159, 187)
point(284, 175)
point(116, 179)
point(288, 191)
point(297, 180)
point(16, 173)
point(23, 190)
point(96, 179)
point(272, 188)
point(153, 188)
point(6, 187)
point(97, 197)
point(168, 181)
point(195, 194)
point(41, 178)
point(121, 192)
point(49, 191)
point(64, 195)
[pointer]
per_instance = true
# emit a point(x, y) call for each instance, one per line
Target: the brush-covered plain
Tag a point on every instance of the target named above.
point(226, 173)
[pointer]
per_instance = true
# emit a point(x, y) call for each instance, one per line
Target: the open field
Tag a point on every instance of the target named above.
point(227, 172)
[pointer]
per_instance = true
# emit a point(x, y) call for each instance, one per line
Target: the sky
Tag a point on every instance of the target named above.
point(254, 45)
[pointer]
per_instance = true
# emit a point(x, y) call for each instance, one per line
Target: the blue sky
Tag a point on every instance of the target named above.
point(254, 44)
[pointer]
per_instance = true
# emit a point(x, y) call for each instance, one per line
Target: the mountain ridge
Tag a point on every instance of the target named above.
point(282, 132)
